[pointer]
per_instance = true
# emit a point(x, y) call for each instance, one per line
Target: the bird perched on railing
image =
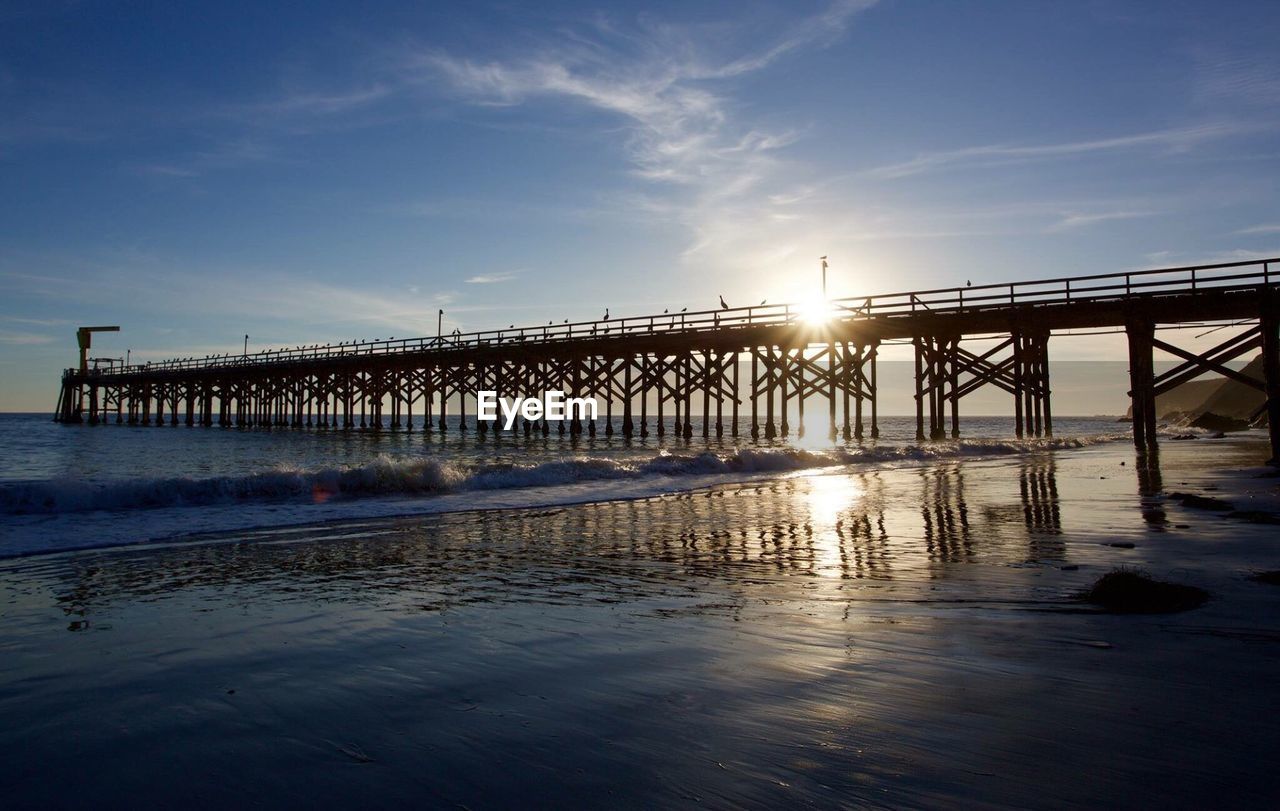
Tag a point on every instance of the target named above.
point(723, 306)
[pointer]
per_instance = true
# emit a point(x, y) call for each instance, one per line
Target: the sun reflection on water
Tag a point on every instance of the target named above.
point(829, 498)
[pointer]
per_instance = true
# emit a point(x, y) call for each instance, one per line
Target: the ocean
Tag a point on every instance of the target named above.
point(213, 618)
point(66, 487)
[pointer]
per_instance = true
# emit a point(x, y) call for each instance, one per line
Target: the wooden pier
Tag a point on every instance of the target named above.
point(725, 364)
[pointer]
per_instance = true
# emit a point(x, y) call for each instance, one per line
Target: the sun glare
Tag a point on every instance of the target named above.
point(815, 311)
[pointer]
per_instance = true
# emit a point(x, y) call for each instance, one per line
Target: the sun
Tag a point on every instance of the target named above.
point(816, 310)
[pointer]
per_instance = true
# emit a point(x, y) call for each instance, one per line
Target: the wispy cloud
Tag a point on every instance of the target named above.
point(822, 28)
point(941, 220)
point(1269, 228)
point(316, 103)
point(24, 338)
point(718, 176)
point(1170, 140)
point(493, 278)
point(37, 322)
point(289, 304)
point(231, 154)
point(256, 132)
point(492, 209)
point(1079, 220)
point(1239, 76)
point(1187, 258)
point(677, 130)
point(43, 112)
point(376, 314)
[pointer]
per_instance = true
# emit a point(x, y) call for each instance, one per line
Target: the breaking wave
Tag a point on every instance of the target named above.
point(398, 476)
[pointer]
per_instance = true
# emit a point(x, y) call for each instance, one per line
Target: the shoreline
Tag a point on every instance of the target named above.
point(298, 497)
point(392, 506)
point(899, 636)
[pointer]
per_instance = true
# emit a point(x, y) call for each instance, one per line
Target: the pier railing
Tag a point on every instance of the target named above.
point(1110, 287)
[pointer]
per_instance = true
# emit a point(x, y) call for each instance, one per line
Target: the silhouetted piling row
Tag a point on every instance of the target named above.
point(644, 390)
point(764, 363)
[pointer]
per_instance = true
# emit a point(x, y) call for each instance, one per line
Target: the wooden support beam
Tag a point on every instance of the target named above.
point(628, 425)
point(875, 392)
point(1141, 334)
point(953, 382)
point(712, 390)
point(1192, 368)
point(768, 402)
point(737, 365)
point(645, 383)
point(1270, 326)
point(784, 367)
point(918, 342)
point(1209, 362)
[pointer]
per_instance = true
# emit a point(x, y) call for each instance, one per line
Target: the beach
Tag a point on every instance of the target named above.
point(884, 635)
point(840, 404)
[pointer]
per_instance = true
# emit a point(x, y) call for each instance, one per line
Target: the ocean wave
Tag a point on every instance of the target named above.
point(398, 476)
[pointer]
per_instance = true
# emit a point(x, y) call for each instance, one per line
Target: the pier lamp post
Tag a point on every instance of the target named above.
point(246, 345)
point(823, 259)
point(439, 324)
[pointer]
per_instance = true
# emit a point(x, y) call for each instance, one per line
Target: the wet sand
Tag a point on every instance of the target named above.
point(902, 637)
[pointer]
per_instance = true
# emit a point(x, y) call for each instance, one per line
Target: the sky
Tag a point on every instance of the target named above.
point(315, 172)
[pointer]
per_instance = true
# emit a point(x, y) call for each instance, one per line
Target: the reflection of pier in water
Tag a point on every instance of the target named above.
point(864, 540)
point(945, 514)
point(836, 532)
point(1151, 487)
point(1042, 514)
point(687, 362)
point(1038, 483)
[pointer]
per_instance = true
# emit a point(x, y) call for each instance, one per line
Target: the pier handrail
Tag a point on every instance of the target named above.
point(1065, 290)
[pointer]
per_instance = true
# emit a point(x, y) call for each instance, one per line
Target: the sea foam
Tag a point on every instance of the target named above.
point(399, 476)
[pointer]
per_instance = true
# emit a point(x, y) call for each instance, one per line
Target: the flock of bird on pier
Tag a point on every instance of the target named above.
point(455, 332)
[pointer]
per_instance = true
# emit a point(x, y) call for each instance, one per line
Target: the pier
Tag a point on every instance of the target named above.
point(763, 363)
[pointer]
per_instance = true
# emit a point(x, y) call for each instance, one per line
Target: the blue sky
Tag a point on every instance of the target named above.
point(311, 173)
